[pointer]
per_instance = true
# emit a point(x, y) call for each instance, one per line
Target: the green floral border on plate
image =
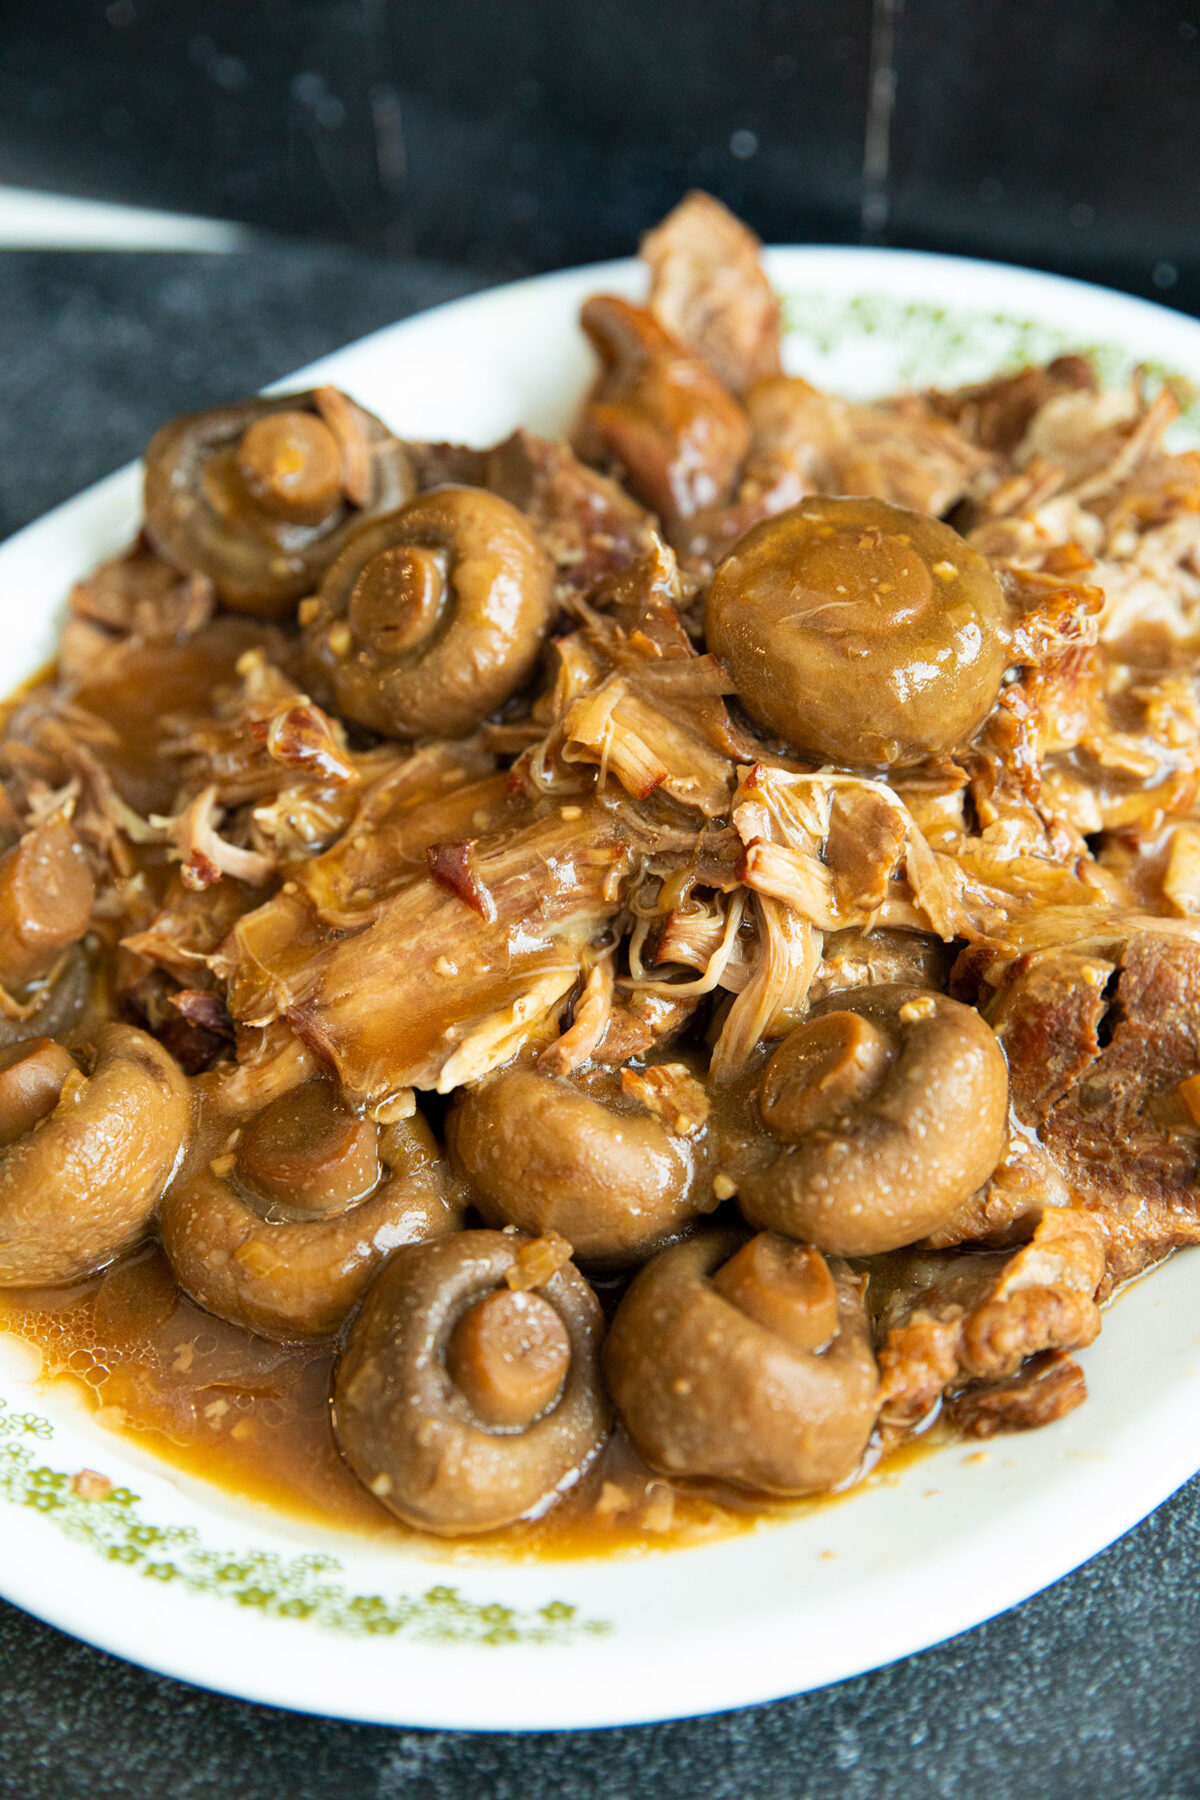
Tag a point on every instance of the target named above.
point(949, 344)
point(300, 1587)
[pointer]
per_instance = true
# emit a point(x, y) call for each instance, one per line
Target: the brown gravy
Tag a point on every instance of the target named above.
point(253, 1418)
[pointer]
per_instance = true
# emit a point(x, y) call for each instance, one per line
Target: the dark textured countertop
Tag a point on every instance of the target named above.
point(1089, 1690)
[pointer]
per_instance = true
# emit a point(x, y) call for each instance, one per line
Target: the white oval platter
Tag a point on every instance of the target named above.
point(184, 1579)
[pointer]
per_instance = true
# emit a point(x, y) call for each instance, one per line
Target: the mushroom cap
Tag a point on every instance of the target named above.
point(82, 1185)
point(408, 1431)
point(294, 1278)
point(895, 1102)
point(430, 618)
point(860, 632)
point(703, 1389)
point(553, 1153)
point(205, 511)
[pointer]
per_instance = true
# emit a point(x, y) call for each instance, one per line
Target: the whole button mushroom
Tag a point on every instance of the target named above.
point(46, 897)
point(285, 1239)
point(892, 1107)
point(576, 1157)
point(86, 1152)
point(464, 1398)
point(431, 618)
point(748, 1362)
point(860, 632)
point(261, 495)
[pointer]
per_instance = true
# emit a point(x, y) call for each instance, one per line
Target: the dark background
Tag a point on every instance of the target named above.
point(407, 153)
point(511, 135)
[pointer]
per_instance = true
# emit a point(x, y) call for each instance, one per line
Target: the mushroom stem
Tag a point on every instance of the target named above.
point(784, 1287)
point(399, 597)
point(509, 1354)
point(309, 1153)
point(291, 465)
point(32, 1074)
point(817, 1074)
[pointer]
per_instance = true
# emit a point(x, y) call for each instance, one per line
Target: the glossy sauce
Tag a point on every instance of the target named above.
point(253, 1418)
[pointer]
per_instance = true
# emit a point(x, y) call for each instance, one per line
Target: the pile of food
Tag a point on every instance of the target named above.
point(659, 965)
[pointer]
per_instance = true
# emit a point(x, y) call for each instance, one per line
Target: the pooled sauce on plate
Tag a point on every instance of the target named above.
point(253, 1418)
